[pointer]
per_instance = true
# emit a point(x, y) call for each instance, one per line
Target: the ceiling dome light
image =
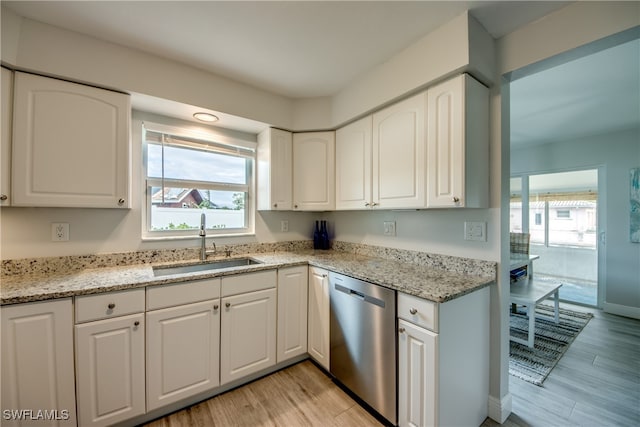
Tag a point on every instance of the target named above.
point(205, 117)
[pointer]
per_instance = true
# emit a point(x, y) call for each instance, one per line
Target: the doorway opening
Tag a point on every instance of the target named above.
point(560, 212)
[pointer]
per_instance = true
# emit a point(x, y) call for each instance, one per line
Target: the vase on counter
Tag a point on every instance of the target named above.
point(324, 236)
point(317, 239)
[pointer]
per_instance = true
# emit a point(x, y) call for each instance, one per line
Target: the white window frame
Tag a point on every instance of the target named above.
point(218, 143)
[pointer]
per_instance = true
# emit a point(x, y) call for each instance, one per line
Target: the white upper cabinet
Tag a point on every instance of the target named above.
point(314, 171)
point(399, 155)
point(70, 144)
point(353, 165)
point(275, 170)
point(458, 144)
point(5, 142)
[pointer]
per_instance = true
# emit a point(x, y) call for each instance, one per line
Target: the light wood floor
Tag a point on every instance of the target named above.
point(300, 395)
point(596, 383)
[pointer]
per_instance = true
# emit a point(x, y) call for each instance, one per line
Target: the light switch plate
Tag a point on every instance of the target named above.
point(389, 228)
point(284, 226)
point(475, 231)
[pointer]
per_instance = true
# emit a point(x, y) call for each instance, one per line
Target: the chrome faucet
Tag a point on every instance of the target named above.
point(203, 236)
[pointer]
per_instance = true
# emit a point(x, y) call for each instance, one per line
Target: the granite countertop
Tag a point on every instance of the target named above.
point(434, 284)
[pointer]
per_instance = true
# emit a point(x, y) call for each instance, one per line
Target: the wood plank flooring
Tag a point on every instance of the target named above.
point(301, 395)
point(596, 383)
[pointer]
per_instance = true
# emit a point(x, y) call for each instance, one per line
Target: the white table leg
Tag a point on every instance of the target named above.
point(531, 312)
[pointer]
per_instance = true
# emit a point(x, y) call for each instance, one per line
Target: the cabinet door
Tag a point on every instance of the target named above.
point(71, 144)
point(399, 155)
point(314, 171)
point(110, 370)
point(182, 352)
point(417, 375)
point(37, 360)
point(445, 106)
point(319, 316)
point(5, 141)
point(353, 165)
point(275, 170)
point(292, 312)
point(248, 334)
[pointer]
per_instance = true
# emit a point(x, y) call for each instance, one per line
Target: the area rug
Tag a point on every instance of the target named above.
point(551, 342)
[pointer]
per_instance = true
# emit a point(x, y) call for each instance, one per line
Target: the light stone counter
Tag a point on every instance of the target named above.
point(433, 277)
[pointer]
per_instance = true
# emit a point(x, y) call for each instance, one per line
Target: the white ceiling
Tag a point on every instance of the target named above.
point(298, 49)
point(592, 95)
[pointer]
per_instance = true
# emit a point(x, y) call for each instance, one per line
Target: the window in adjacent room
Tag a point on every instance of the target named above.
point(187, 175)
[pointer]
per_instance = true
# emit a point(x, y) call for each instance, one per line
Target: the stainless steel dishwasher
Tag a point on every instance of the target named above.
point(363, 341)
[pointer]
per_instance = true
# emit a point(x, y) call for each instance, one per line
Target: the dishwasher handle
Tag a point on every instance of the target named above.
point(361, 296)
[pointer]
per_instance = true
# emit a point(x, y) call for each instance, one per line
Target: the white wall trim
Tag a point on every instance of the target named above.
point(622, 310)
point(500, 409)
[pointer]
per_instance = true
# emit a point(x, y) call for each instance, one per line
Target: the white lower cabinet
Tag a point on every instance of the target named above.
point(110, 370)
point(109, 357)
point(417, 378)
point(37, 363)
point(318, 327)
point(248, 325)
point(182, 351)
point(443, 373)
point(292, 312)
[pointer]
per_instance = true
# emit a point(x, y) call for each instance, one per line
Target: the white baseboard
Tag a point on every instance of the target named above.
point(622, 310)
point(500, 409)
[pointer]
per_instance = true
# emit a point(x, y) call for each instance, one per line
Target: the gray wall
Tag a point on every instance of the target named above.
point(618, 153)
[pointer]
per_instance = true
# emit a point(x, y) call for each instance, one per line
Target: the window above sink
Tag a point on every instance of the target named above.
point(188, 173)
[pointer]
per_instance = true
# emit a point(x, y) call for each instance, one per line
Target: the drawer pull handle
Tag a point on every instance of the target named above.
point(227, 305)
point(120, 202)
point(413, 311)
point(456, 199)
point(136, 323)
point(3, 197)
point(111, 306)
point(215, 306)
point(401, 330)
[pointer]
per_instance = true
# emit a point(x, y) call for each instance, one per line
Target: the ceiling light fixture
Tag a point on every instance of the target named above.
point(205, 117)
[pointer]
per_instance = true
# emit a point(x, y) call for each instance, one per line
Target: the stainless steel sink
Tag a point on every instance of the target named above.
point(211, 265)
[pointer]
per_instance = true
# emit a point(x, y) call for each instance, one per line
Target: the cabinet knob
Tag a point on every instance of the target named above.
point(275, 205)
point(374, 204)
point(401, 330)
point(111, 306)
point(215, 306)
point(456, 199)
point(367, 204)
point(3, 197)
point(295, 206)
point(120, 202)
point(324, 276)
point(413, 310)
point(136, 323)
point(228, 304)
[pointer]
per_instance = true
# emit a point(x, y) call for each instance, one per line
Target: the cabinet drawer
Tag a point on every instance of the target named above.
point(110, 304)
point(173, 294)
point(419, 311)
point(242, 283)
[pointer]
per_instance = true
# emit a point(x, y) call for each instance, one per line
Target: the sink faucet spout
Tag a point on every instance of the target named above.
point(203, 236)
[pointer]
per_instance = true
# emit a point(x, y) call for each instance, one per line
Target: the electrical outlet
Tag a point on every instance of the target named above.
point(389, 228)
point(59, 232)
point(284, 226)
point(475, 231)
